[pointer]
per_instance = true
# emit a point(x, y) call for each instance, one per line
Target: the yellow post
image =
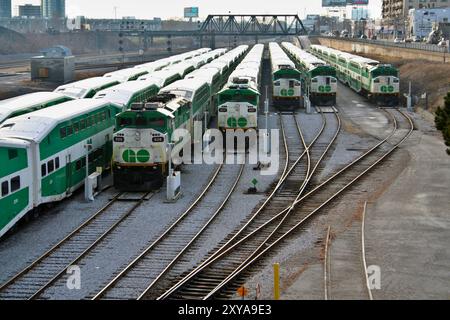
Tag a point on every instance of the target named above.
point(276, 281)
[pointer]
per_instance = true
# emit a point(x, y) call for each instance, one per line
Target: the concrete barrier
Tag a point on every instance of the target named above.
point(363, 48)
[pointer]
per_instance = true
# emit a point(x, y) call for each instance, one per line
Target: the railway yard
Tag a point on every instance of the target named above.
point(358, 208)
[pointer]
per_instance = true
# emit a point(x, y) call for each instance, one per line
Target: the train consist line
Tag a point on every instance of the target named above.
point(43, 272)
point(218, 276)
point(222, 264)
point(150, 267)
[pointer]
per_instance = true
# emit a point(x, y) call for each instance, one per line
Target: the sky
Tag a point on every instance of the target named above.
point(147, 9)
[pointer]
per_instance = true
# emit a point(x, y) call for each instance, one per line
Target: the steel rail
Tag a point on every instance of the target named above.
point(302, 221)
point(162, 236)
point(93, 245)
point(282, 179)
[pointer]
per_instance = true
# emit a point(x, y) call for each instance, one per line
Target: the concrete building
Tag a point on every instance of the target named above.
point(52, 9)
point(56, 64)
point(5, 9)
point(28, 10)
point(393, 9)
point(422, 21)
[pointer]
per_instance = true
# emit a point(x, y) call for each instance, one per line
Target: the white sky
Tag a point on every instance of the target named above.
point(147, 9)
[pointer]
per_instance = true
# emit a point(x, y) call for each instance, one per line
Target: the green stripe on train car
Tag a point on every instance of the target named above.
point(12, 205)
point(12, 160)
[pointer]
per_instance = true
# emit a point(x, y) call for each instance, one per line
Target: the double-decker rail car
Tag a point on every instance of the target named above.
point(142, 135)
point(27, 103)
point(163, 77)
point(86, 88)
point(318, 77)
point(379, 82)
point(43, 154)
point(127, 93)
point(128, 74)
point(238, 101)
point(286, 79)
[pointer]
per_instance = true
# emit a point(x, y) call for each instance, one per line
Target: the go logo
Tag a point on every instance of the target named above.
point(233, 123)
point(131, 156)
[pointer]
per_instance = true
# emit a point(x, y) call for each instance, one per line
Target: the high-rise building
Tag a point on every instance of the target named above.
point(393, 9)
point(53, 8)
point(5, 8)
point(29, 10)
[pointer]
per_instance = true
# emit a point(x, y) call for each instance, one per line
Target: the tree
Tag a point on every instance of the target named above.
point(442, 121)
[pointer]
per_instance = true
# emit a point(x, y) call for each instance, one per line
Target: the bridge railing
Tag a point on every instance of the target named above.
point(408, 45)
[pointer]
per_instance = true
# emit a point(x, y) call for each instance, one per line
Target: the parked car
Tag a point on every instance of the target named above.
point(398, 40)
point(442, 43)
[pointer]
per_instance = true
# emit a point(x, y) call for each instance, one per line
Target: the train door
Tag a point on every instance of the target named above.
point(68, 173)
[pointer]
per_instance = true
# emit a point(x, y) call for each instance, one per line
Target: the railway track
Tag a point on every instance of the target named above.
point(149, 268)
point(41, 274)
point(209, 280)
point(315, 200)
point(222, 264)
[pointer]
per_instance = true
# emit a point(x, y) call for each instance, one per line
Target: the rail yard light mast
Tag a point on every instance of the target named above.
point(266, 112)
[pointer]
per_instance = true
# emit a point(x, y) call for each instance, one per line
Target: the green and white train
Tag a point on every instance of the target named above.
point(380, 83)
point(238, 101)
point(140, 156)
point(43, 154)
point(86, 88)
point(27, 103)
point(318, 78)
point(286, 81)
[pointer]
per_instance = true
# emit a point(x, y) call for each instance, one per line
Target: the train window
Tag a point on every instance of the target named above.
point(125, 121)
point(328, 81)
point(5, 188)
point(83, 162)
point(76, 127)
point(93, 120)
point(57, 163)
point(15, 184)
point(43, 170)
point(12, 153)
point(82, 124)
point(78, 165)
point(140, 121)
point(50, 166)
point(103, 115)
point(291, 84)
point(62, 132)
point(69, 130)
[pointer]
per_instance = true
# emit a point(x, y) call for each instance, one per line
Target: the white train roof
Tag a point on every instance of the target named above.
point(9, 106)
point(78, 89)
point(124, 74)
point(122, 93)
point(184, 88)
point(348, 56)
point(207, 74)
point(159, 77)
point(308, 59)
point(13, 143)
point(35, 126)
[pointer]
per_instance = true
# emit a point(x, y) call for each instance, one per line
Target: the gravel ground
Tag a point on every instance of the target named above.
point(34, 238)
point(301, 256)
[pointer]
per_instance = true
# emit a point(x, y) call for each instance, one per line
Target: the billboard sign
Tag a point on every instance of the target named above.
point(334, 3)
point(357, 2)
point(191, 12)
point(343, 3)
